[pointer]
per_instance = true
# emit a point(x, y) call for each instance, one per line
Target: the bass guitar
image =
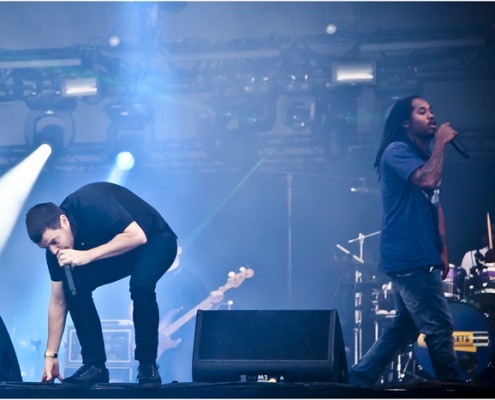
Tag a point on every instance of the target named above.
point(167, 329)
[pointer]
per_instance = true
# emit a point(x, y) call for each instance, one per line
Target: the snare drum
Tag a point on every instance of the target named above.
point(473, 342)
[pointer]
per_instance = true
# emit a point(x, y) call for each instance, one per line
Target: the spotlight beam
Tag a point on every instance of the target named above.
point(15, 187)
point(206, 221)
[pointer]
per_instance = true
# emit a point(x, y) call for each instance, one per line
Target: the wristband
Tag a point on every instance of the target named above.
point(51, 354)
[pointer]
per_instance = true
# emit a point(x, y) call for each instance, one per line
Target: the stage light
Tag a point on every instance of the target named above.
point(130, 130)
point(125, 161)
point(77, 87)
point(297, 83)
point(353, 73)
point(55, 128)
point(114, 41)
point(24, 61)
point(300, 112)
point(130, 111)
point(124, 141)
point(330, 29)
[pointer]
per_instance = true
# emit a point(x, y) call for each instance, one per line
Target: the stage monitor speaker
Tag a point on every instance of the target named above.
point(9, 365)
point(269, 345)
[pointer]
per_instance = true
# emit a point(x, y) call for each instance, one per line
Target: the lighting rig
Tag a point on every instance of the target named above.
point(284, 91)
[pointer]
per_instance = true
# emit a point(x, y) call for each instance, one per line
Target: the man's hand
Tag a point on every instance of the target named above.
point(73, 258)
point(445, 133)
point(51, 370)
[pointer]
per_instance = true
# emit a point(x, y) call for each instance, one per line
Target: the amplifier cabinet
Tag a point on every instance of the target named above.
point(119, 341)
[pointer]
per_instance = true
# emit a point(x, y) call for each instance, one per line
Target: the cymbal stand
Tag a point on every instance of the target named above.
point(358, 294)
point(361, 237)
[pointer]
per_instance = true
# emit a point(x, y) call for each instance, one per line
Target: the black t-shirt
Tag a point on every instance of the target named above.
point(99, 211)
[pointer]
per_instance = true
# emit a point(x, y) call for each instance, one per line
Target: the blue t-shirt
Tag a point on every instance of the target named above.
point(409, 233)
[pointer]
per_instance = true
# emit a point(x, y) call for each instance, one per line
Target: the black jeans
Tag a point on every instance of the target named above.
point(145, 265)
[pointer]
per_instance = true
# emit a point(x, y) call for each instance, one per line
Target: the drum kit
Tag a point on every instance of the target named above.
point(471, 298)
point(471, 302)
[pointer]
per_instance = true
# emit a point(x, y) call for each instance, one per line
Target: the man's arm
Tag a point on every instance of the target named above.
point(429, 175)
point(132, 237)
point(57, 314)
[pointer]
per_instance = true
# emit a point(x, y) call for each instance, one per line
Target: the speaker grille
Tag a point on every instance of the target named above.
point(266, 335)
point(301, 345)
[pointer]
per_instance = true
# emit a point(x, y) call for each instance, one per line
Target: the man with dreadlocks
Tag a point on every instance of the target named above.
point(413, 250)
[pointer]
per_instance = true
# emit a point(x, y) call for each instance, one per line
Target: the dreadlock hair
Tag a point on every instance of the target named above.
point(42, 217)
point(393, 130)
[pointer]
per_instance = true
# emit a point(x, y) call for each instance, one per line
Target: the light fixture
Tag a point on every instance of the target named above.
point(52, 127)
point(423, 44)
point(130, 130)
point(25, 62)
point(353, 73)
point(300, 112)
point(330, 29)
point(127, 144)
point(129, 112)
point(77, 87)
point(229, 133)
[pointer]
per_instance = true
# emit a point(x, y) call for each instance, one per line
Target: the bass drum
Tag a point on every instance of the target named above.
point(473, 342)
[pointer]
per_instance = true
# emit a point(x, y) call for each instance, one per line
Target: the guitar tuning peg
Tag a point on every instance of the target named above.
point(242, 269)
point(231, 274)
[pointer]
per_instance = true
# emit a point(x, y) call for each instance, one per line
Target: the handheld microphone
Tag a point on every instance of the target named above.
point(70, 280)
point(460, 148)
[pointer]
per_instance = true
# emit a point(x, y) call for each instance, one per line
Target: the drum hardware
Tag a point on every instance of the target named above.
point(361, 237)
point(482, 285)
point(484, 274)
point(358, 296)
point(384, 301)
point(410, 367)
point(455, 283)
point(404, 369)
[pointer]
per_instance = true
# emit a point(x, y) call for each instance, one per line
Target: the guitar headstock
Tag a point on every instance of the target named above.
point(235, 280)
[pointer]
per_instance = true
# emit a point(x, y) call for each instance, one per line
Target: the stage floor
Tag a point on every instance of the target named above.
point(247, 390)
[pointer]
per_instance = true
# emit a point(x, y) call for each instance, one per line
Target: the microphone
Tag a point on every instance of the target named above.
point(460, 148)
point(70, 281)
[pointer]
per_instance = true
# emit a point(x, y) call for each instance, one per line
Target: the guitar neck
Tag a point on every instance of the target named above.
point(206, 304)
